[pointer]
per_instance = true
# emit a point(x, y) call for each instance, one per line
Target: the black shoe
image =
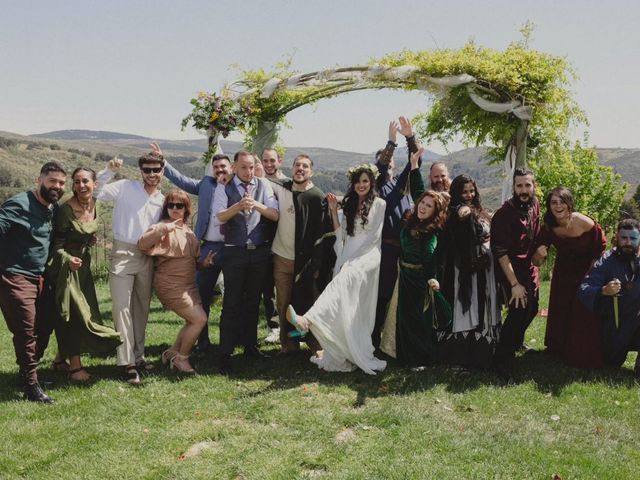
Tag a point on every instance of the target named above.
point(34, 393)
point(226, 367)
point(254, 352)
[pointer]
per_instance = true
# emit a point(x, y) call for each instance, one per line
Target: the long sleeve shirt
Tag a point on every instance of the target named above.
point(26, 230)
point(134, 209)
point(394, 189)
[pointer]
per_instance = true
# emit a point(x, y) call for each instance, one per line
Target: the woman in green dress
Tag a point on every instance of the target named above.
point(77, 318)
point(414, 333)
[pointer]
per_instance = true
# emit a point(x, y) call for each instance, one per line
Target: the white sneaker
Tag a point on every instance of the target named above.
point(273, 335)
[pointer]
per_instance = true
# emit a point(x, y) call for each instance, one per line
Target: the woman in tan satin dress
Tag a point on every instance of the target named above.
point(176, 250)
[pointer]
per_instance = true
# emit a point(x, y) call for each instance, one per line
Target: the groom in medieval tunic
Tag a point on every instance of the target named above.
point(302, 248)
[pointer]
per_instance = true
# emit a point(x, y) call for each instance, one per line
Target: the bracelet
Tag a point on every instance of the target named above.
point(515, 284)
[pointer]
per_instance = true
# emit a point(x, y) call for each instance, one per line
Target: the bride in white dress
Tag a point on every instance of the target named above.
point(342, 318)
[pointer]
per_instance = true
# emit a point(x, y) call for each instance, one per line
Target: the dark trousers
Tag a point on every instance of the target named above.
point(513, 329)
point(388, 276)
point(244, 276)
point(206, 280)
point(19, 297)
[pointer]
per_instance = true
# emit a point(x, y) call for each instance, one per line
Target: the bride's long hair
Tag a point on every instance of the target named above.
point(350, 200)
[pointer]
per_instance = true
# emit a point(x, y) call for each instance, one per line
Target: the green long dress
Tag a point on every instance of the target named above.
point(77, 318)
point(415, 336)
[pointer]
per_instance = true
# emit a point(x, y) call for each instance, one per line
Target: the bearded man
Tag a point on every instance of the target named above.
point(25, 236)
point(439, 177)
point(612, 288)
point(513, 228)
point(302, 253)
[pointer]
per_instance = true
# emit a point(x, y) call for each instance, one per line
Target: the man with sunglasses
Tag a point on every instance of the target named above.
point(207, 228)
point(612, 288)
point(137, 206)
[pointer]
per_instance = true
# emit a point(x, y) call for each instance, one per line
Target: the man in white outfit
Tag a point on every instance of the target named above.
point(137, 206)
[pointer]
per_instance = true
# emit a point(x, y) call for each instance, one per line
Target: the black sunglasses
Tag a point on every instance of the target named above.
point(148, 170)
point(178, 206)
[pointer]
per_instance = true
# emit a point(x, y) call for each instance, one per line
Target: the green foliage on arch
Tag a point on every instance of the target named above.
point(257, 104)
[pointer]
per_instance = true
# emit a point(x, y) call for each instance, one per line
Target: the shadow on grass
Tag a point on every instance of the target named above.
point(285, 372)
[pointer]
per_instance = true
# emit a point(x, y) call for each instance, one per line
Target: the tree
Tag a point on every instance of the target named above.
point(597, 189)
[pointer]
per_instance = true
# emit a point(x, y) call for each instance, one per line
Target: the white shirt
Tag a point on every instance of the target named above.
point(213, 233)
point(134, 209)
point(284, 243)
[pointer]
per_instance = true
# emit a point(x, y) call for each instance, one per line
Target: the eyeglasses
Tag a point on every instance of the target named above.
point(149, 170)
point(177, 206)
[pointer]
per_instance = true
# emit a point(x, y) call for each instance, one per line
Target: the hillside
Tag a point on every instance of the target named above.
point(21, 157)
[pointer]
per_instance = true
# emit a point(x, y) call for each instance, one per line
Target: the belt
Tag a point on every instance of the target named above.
point(249, 246)
point(74, 245)
point(391, 241)
point(411, 266)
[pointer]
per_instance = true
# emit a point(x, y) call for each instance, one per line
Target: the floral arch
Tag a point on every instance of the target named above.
point(516, 100)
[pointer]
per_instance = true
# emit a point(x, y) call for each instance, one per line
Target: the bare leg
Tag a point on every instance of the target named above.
point(76, 372)
point(195, 318)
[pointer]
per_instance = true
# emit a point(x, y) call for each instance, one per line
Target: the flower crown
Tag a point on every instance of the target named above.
point(364, 167)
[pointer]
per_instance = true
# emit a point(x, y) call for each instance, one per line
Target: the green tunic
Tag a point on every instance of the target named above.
point(415, 336)
point(77, 318)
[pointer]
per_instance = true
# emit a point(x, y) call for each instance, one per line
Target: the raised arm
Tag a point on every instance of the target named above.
point(105, 191)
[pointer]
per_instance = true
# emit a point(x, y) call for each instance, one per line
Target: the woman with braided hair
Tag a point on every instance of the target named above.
point(342, 318)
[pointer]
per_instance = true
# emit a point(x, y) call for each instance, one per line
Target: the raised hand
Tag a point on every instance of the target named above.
point(464, 211)
point(115, 164)
point(332, 201)
point(171, 226)
point(415, 157)
point(405, 127)
point(155, 149)
point(393, 132)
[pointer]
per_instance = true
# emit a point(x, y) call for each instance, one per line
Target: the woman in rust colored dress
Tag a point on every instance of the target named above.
point(573, 332)
point(176, 250)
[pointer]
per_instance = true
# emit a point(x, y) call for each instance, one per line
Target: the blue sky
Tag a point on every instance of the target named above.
point(132, 66)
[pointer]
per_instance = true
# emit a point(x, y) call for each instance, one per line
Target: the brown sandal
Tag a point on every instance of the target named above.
point(71, 373)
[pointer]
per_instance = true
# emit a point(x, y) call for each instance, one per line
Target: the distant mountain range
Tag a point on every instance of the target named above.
point(88, 135)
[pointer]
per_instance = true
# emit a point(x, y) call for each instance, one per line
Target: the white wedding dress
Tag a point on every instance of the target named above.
point(343, 317)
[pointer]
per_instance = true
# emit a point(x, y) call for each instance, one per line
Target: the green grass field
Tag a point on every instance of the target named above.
point(284, 419)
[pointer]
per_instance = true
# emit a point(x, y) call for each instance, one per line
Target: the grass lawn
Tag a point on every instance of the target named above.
point(283, 418)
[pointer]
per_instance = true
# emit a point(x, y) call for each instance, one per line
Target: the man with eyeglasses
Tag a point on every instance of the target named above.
point(207, 227)
point(612, 288)
point(243, 206)
point(137, 206)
